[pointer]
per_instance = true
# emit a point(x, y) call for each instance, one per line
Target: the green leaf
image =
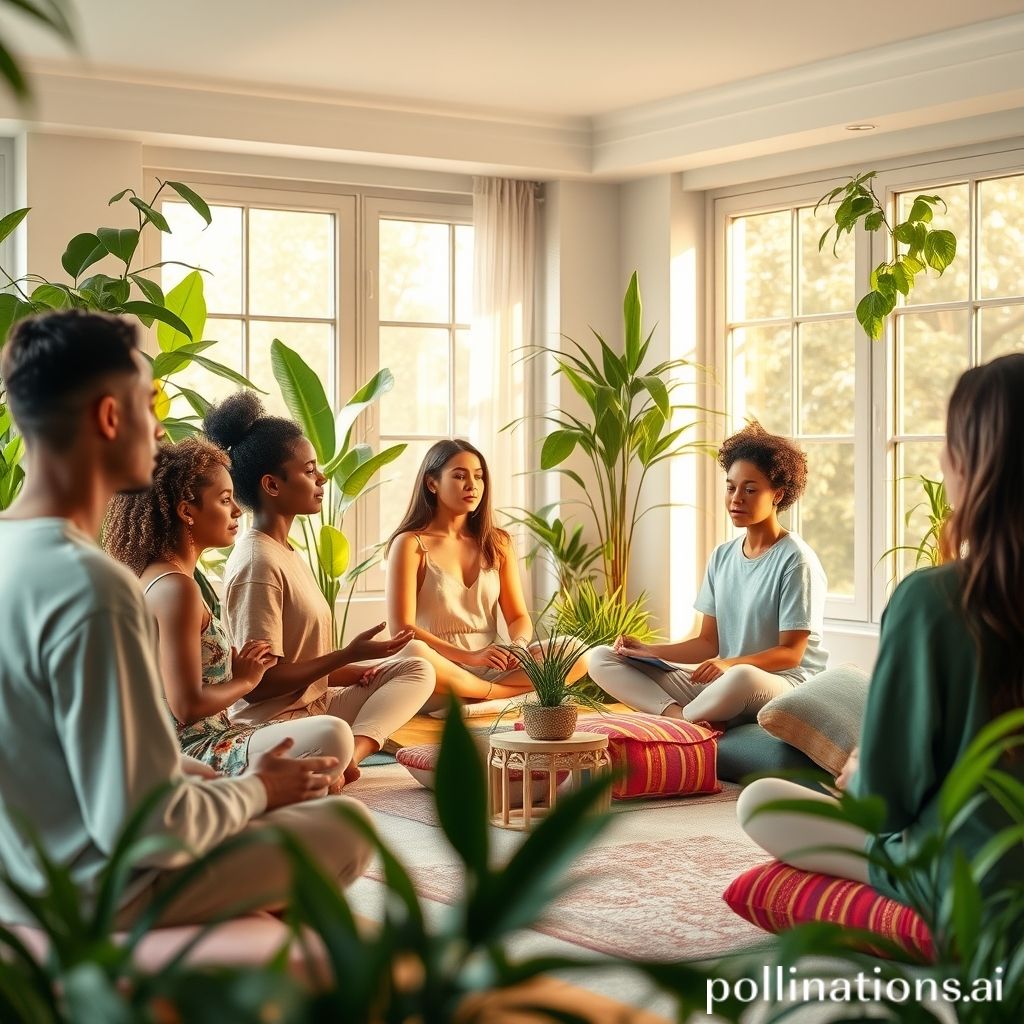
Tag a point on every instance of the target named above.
point(902, 278)
point(582, 388)
point(304, 395)
point(200, 405)
point(153, 216)
point(332, 551)
point(119, 242)
point(873, 221)
point(53, 296)
point(153, 292)
point(150, 309)
point(939, 249)
point(904, 233)
point(188, 303)
point(196, 201)
point(110, 292)
point(461, 794)
point(356, 481)
point(558, 446)
point(911, 265)
point(871, 313)
point(614, 366)
point(11, 72)
point(9, 223)
point(609, 431)
point(632, 315)
point(657, 390)
point(920, 212)
point(379, 384)
point(82, 252)
point(966, 910)
point(117, 197)
point(220, 370)
point(167, 363)
point(12, 309)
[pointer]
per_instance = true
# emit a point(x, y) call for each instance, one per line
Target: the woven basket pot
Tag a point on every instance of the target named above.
point(549, 723)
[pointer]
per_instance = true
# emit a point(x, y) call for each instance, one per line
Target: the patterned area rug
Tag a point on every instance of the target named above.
point(651, 899)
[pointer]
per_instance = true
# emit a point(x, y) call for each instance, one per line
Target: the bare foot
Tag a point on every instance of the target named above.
point(352, 773)
point(335, 788)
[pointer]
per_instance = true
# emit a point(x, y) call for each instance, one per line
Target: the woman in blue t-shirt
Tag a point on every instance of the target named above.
point(762, 601)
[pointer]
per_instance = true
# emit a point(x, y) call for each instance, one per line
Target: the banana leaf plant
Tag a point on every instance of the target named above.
point(180, 315)
point(350, 469)
point(631, 425)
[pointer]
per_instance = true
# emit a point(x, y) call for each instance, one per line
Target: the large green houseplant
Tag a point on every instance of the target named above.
point(629, 426)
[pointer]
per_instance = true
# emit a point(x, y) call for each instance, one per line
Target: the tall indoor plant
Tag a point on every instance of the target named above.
point(629, 426)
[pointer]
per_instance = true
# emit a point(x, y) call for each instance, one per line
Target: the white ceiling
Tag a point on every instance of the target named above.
point(542, 58)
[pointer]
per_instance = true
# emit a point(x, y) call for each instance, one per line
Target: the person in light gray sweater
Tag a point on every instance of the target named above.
point(84, 733)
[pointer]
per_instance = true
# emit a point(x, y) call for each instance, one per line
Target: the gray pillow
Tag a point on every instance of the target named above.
point(748, 750)
point(821, 717)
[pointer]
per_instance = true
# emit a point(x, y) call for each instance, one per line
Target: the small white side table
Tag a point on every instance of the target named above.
point(517, 752)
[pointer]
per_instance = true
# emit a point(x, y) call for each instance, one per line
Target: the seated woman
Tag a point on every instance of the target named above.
point(160, 535)
point(270, 594)
point(949, 661)
point(450, 570)
point(763, 602)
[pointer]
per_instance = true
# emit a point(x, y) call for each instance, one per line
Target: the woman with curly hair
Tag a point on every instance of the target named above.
point(160, 534)
point(762, 601)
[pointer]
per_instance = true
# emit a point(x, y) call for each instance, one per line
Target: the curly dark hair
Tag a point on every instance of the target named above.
point(257, 443)
point(144, 526)
point(777, 457)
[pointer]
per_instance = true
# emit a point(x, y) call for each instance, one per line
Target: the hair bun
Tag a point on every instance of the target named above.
point(229, 422)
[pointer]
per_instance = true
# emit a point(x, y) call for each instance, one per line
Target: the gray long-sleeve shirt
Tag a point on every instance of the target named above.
point(84, 732)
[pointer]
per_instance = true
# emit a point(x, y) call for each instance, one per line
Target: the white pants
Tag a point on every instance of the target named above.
point(734, 697)
point(398, 690)
point(801, 840)
point(317, 736)
point(259, 875)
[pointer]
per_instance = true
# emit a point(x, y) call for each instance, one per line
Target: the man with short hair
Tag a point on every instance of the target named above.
point(84, 731)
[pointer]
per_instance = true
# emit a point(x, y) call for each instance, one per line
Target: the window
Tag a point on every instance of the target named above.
point(285, 264)
point(420, 312)
point(869, 415)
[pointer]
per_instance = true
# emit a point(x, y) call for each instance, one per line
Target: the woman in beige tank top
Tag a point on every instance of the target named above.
point(450, 571)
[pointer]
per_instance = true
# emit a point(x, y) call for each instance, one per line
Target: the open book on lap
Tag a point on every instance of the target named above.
point(665, 666)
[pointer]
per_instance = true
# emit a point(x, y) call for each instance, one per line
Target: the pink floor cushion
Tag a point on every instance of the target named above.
point(420, 762)
point(662, 756)
point(777, 897)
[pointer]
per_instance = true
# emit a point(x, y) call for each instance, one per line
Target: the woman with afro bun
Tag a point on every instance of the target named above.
point(762, 601)
point(270, 594)
point(160, 534)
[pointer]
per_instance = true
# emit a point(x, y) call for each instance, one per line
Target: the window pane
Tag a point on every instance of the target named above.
point(761, 266)
point(1001, 237)
point(291, 263)
point(761, 374)
point(473, 381)
point(826, 512)
point(397, 481)
point(914, 460)
point(228, 351)
point(1001, 330)
point(952, 286)
point(463, 274)
point(418, 403)
point(314, 342)
point(827, 375)
point(414, 271)
point(932, 355)
point(826, 282)
point(217, 248)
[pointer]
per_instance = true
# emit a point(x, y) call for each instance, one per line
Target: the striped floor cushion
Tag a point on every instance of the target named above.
point(662, 756)
point(776, 897)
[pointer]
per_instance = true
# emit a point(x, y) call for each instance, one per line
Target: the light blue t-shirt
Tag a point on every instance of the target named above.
point(755, 599)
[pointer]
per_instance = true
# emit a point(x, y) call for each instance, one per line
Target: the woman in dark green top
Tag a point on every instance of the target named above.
point(950, 659)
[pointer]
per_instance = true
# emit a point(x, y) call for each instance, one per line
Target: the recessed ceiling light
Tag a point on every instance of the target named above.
point(860, 127)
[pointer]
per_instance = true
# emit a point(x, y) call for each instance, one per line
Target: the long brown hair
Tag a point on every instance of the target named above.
point(492, 539)
point(144, 526)
point(985, 440)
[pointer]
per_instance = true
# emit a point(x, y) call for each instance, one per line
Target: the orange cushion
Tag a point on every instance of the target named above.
point(776, 897)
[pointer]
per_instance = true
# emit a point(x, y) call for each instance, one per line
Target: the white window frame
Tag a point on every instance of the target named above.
point(875, 390)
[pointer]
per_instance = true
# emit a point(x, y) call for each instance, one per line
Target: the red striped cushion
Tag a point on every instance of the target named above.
point(662, 756)
point(776, 897)
point(420, 762)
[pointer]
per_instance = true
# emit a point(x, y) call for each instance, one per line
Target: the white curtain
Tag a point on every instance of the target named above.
point(504, 238)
